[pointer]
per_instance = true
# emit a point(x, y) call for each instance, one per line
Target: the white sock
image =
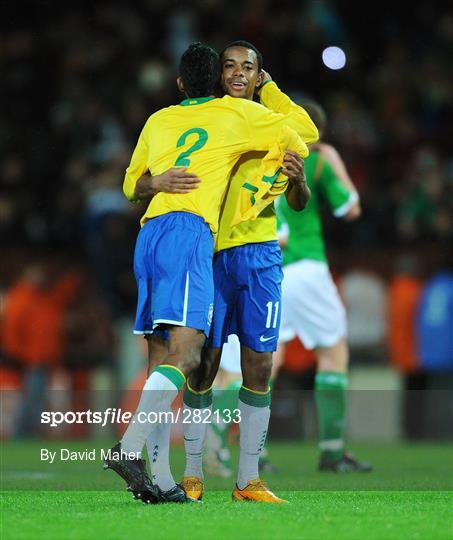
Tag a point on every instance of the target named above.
point(158, 446)
point(194, 437)
point(253, 431)
point(157, 396)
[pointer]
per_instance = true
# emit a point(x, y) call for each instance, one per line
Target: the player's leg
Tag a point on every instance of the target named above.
point(331, 402)
point(198, 406)
point(257, 376)
point(201, 380)
point(180, 301)
point(330, 394)
point(225, 397)
point(333, 359)
point(319, 320)
point(132, 469)
point(158, 441)
point(265, 464)
point(197, 416)
point(256, 369)
point(328, 331)
point(160, 390)
point(254, 406)
point(311, 303)
point(157, 349)
point(258, 314)
point(177, 302)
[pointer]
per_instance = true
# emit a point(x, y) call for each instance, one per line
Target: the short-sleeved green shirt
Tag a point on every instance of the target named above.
point(304, 228)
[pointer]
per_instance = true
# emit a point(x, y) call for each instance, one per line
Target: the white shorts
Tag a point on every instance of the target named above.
point(231, 355)
point(311, 306)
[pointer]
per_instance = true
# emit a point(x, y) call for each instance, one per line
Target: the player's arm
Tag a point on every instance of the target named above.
point(264, 128)
point(298, 193)
point(174, 180)
point(342, 200)
point(331, 155)
point(137, 167)
point(274, 99)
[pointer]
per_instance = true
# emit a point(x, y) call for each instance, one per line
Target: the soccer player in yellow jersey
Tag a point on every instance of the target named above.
point(174, 250)
point(247, 277)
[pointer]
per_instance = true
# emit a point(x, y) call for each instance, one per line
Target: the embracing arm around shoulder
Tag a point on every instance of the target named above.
point(175, 180)
point(277, 101)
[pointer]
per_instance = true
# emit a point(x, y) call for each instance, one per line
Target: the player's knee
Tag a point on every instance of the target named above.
point(185, 348)
point(333, 358)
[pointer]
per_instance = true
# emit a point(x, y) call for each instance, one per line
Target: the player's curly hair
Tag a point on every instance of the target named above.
point(246, 45)
point(199, 70)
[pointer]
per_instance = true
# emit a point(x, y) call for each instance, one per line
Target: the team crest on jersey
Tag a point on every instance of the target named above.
point(210, 313)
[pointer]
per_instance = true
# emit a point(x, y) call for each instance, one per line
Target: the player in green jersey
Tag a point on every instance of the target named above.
point(311, 306)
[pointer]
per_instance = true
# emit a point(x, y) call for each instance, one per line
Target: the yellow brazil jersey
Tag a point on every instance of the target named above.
point(264, 228)
point(207, 135)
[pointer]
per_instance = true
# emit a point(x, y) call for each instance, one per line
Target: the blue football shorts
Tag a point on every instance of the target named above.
point(247, 298)
point(173, 269)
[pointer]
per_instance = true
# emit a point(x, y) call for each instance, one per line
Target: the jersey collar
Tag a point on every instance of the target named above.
point(195, 101)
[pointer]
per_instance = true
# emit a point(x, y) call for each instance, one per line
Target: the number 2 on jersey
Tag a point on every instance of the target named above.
point(183, 158)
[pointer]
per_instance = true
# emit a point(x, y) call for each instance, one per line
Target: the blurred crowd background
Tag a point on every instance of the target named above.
point(79, 80)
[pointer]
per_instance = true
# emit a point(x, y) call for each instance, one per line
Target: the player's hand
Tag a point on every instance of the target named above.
point(176, 180)
point(265, 76)
point(353, 213)
point(298, 193)
point(293, 167)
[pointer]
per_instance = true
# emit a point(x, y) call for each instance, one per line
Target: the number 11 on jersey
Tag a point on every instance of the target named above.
point(272, 307)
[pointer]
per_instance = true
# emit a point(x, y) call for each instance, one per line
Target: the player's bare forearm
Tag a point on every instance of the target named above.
point(175, 180)
point(354, 212)
point(144, 188)
point(331, 155)
point(298, 195)
point(298, 192)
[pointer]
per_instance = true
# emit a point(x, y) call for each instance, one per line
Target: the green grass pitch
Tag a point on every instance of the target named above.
point(408, 496)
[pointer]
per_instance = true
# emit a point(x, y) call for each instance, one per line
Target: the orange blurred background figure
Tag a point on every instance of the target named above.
point(32, 334)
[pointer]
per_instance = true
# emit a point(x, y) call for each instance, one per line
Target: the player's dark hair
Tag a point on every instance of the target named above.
point(316, 113)
point(199, 70)
point(246, 45)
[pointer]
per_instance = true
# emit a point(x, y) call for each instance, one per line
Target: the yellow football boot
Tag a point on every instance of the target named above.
point(193, 486)
point(256, 490)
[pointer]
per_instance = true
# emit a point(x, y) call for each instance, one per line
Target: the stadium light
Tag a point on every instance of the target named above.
point(334, 58)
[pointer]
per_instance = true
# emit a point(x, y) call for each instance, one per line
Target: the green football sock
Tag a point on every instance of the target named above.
point(330, 394)
point(225, 401)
